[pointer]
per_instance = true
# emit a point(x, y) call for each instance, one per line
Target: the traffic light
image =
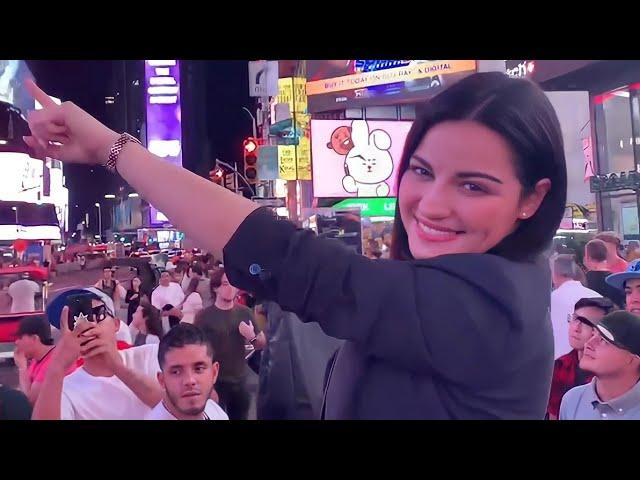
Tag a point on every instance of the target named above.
point(250, 149)
point(216, 176)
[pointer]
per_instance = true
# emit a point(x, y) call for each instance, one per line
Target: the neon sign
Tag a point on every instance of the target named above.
point(164, 125)
point(375, 65)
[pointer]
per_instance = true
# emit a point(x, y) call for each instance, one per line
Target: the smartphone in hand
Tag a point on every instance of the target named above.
point(80, 309)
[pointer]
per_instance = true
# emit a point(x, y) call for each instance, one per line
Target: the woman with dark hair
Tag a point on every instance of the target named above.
point(456, 325)
point(192, 302)
point(146, 326)
point(133, 298)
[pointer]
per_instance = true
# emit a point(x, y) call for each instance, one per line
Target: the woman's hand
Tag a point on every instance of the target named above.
point(66, 132)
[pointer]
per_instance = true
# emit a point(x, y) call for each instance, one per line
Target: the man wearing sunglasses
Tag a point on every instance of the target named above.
point(612, 354)
point(111, 384)
point(566, 370)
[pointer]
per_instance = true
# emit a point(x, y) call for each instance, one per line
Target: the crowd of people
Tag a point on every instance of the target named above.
point(594, 311)
point(454, 325)
point(176, 356)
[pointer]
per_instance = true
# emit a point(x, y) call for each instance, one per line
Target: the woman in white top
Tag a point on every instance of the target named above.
point(192, 302)
point(146, 326)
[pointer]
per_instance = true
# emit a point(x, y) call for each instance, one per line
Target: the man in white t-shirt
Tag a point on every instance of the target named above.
point(568, 290)
point(23, 295)
point(188, 374)
point(110, 385)
point(168, 294)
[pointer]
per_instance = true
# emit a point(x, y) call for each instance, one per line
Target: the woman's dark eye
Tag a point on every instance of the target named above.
point(472, 187)
point(420, 171)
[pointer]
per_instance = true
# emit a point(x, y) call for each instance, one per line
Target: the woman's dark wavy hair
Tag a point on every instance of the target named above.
point(520, 112)
point(152, 319)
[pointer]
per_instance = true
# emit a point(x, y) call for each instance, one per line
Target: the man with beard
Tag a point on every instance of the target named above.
point(188, 374)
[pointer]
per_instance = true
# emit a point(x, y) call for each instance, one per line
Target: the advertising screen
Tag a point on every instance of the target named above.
point(164, 122)
point(342, 84)
point(356, 158)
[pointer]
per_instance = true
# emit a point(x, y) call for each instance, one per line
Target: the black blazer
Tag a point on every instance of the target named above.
point(463, 336)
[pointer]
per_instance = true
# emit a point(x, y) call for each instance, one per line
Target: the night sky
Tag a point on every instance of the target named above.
point(86, 83)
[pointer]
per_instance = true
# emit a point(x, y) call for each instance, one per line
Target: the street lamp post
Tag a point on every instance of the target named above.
point(99, 220)
point(253, 121)
point(15, 209)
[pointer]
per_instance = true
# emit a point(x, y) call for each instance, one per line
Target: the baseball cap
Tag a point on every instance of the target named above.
point(617, 279)
point(621, 329)
point(600, 302)
point(35, 325)
point(54, 309)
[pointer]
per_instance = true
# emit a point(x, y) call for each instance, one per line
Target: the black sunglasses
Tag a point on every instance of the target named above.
point(100, 313)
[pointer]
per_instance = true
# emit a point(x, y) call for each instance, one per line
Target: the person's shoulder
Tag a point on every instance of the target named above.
point(575, 395)
point(76, 379)
point(586, 292)
point(564, 361)
point(243, 309)
point(491, 277)
point(208, 311)
point(143, 358)
point(479, 265)
point(214, 411)
point(158, 413)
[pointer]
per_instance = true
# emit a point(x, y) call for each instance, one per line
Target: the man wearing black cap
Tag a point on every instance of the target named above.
point(33, 354)
point(612, 354)
point(566, 370)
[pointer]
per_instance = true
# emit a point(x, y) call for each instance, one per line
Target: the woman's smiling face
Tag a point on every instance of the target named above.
point(461, 193)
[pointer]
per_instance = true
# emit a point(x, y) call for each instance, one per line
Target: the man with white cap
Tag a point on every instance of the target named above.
point(111, 384)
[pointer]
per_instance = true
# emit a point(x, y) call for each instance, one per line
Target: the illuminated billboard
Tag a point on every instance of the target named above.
point(164, 122)
point(356, 158)
point(342, 84)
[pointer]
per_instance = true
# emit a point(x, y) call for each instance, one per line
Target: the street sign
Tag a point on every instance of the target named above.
point(613, 182)
point(263, 78)
point(270, 202)
point(268, 162)
point(370, 207)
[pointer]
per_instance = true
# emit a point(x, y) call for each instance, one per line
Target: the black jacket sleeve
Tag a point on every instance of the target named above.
point(451, 316)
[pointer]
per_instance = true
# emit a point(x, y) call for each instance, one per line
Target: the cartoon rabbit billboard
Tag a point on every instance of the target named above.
point(356, 158)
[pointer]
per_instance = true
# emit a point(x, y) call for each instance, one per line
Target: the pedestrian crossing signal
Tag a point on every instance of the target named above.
point(216, 175)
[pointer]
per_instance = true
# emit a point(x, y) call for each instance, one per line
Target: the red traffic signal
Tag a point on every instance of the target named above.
point(250, 145)
point(250, 148)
